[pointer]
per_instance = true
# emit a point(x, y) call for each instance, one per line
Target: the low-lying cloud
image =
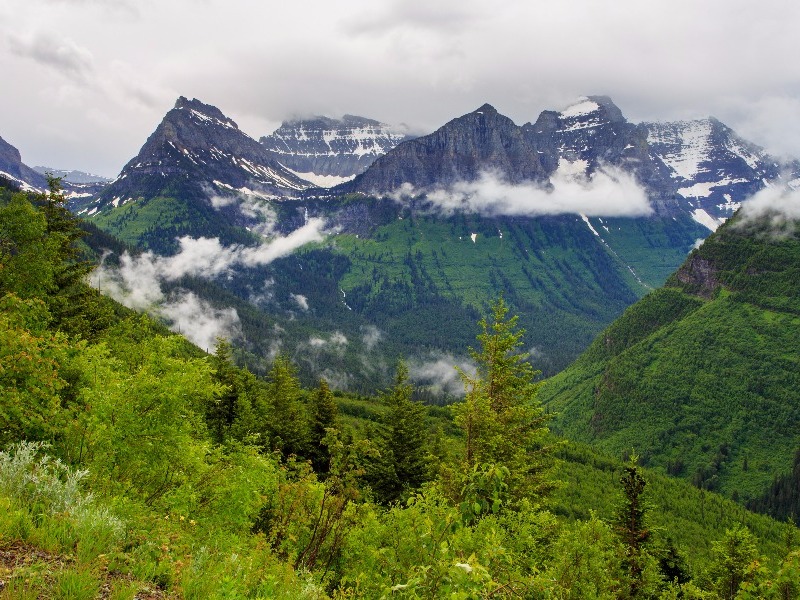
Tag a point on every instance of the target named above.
point(778, 205)
point(251, 206)
point(370, 337)
point(300, 300)
point(607, 192)
point(137, 281)
point(201, 322)
point(335, 341)
point(437, 372)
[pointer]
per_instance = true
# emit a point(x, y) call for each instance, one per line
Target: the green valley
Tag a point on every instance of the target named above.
point(134, 465)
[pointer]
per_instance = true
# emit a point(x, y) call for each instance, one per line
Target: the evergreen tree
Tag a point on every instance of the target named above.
point(222, 411)
point(502, 420)
point(27, 254)
point(287, 419)
point(323, 417)
point(403, 444)
point(735, 562)
point(631, 526)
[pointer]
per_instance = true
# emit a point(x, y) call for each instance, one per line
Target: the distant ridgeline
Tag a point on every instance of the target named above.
point(702, 376)
point(571, 218)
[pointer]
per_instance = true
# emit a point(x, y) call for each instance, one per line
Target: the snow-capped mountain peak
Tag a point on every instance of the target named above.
point(330, 151)
point(197, 147)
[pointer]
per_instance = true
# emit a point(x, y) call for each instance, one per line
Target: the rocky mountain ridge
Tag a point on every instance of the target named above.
point(197, 147)
point(12, 167)
point(329, 151)
point(459, 150)
point(702, 167)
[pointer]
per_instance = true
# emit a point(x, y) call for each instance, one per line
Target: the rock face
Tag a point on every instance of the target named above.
point(595, 132)
point(459, 151)
point(713, 169)
point(197, 146)
point(329, 151)
point(12, 167)
point(701, 168)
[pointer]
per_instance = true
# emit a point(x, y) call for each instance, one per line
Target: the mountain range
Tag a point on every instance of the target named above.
point(573, 218)
point(416, 245)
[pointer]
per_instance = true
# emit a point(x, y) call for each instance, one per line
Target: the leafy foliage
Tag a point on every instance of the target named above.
point(169, 472)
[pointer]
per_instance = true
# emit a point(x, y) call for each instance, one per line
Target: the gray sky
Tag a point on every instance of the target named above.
point(86, 81)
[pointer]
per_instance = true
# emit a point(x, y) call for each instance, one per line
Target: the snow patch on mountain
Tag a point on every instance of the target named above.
point(326, 147)
point(323, 181)
point(689, 143)
point(706, 220)
point(23, 185)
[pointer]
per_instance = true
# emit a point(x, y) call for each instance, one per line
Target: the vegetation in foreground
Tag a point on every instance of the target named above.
point(135, 466)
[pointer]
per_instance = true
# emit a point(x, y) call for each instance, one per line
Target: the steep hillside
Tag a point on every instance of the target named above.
point(187, 178)
point(701, 377)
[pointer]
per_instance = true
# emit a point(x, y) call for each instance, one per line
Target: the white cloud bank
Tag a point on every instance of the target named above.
point(136, 283)
point(779, 205)
point(607, 192)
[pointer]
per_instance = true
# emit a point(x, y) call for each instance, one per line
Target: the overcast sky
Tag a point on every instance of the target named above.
point(86, 81)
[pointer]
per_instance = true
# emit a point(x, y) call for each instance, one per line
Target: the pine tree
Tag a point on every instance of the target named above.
point(502, 420)
point(403, 444)
point(287, 419)
point(222, 412)
point(323, 417)
point(631, 526)
point(74, 305)
point(735, 561)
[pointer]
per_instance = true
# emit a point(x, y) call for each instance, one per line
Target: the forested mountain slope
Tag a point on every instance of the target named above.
point(702, 376)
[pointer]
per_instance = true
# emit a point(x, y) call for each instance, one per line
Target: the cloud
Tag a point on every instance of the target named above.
point(301, 300)
point(250, 205)
point(371, 335)
point(201, 322)
point(378, 58)
point(335, 341)
point(207, 258)
point(336, 380)
point(50, 50)
point(777, 205)
point(608, 192)
point(137, 281)
point(438, 373)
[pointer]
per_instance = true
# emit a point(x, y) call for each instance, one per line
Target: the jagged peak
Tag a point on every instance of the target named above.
point(206, 110)
point(587, 105)
point(486, 108)
point(607, 105)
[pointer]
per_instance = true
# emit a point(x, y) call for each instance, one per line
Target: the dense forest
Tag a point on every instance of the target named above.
point(135, 465)
point(702, 375)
